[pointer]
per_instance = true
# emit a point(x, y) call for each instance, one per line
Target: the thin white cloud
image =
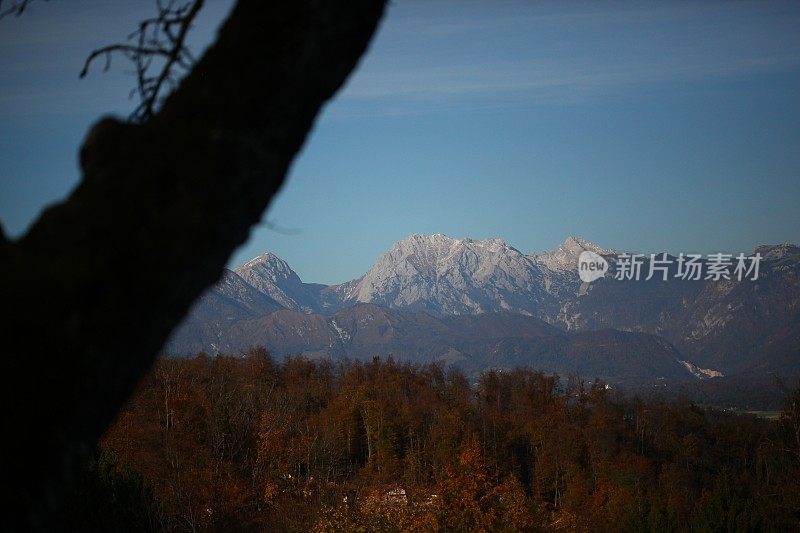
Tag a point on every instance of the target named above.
point(565, 56)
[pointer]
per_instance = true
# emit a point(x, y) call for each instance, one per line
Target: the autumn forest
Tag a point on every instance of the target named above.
point(253, 444)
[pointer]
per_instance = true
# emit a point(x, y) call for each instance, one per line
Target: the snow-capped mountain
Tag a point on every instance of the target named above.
point(237, 296)
point(722, 326)
point(272, 276)
point(438, 274)
point(564, 259)
point(778, 252)
point(447, 276)
point(559, 269)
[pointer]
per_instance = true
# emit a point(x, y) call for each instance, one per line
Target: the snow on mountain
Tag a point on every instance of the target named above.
point(234, 288)
point(726, 325)
point(438, 274)
point(564, 259)
point(559, 268)
point(776, 252)
point(272, 276)
point(702, 373)
point(443, 275)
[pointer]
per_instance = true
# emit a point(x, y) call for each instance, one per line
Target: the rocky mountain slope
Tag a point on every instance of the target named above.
point(728, 325)
point(471, 342)
point(230, 300)
point(270, 275)
point(434, 281)
point(447, 276)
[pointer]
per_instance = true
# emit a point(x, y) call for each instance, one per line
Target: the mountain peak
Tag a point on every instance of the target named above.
point(266, 257)
point(420, 238)
point(565, 257)
point(443, 274)
point(435, 248)
point(272, 276)
point(774, 252)
point(577, 242)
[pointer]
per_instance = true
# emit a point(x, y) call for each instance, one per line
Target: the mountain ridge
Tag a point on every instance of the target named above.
point(725, 327)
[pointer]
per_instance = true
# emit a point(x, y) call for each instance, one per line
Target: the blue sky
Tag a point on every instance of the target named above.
point(645, 126)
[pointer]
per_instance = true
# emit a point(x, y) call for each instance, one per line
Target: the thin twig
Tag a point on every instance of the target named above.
point(160, 38)
point(16, 8)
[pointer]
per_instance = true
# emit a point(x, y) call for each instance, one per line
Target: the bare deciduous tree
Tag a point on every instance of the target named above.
point(90, 294)
point(158, 43)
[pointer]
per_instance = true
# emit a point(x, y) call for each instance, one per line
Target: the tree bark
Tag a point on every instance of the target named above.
point(91, 293)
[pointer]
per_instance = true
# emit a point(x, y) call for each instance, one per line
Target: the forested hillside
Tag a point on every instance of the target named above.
point(251, 444)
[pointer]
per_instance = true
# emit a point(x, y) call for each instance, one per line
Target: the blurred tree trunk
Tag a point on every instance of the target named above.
point(91, 293)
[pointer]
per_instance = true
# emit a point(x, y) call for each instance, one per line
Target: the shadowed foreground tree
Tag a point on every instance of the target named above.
point(90, 294)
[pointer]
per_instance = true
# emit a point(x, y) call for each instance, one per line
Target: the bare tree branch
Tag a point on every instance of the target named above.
point(91, 293)
point(159, 38)
point(16, 8)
